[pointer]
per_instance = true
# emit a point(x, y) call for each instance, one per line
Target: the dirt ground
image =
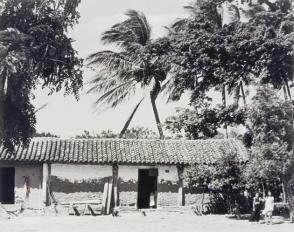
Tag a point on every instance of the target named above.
point(130, 222)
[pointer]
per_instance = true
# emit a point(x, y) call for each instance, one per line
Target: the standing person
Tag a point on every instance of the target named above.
point(152, 200)
point(257, 205)
point(268, 208)
point(246, 201)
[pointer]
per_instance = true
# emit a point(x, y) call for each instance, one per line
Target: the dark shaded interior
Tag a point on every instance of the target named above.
point(147, 184)
point(7, 185)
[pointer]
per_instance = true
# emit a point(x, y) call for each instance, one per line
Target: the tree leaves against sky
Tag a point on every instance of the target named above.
point(35, 50)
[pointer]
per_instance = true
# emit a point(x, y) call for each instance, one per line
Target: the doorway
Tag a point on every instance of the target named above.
point(147, 186)
point(7, 175)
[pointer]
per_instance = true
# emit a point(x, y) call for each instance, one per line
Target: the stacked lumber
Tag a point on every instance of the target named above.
point(94, 208)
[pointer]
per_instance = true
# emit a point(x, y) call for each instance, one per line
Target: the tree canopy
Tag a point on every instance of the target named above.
point(131, 133)
point(209, 53)
point(271, 123)
point(34, 50)
point(206, 54)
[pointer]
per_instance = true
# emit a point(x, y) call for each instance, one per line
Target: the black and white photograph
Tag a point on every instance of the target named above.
point(146, 115)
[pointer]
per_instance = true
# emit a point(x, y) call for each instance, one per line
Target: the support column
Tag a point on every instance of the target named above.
point(115, 181)
point(46, 183)
point(181, 194)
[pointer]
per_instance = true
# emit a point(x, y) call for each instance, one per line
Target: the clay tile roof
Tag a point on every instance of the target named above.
point(124, 151)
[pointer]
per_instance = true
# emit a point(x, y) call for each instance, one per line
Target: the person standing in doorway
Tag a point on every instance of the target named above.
point(152, 200)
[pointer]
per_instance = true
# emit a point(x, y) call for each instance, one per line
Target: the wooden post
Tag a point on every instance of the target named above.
point(181, 194)
point(104, 198)
point(115, 180)
point(109, 196)
point(46, 183)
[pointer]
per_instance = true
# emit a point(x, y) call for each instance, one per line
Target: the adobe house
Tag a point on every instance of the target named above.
point(75, 170)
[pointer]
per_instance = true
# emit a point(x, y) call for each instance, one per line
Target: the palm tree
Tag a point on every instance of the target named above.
point(135, 65)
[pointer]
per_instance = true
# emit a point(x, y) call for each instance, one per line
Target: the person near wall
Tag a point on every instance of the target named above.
point(152, 200)
point(268, 208)
point(257, 206)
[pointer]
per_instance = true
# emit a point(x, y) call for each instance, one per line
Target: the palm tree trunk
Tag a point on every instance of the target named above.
point(263, 189)
point(2, 84)
point(284, 192)
point(288, 90)
point(285, 93)
point(290, 198)
point(153, 96)
point(224, 100)
point(2, 96)
point(121, 134)
point(159, 127)
point(243, 93)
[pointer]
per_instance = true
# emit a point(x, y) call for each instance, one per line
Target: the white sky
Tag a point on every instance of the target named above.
point(65, 116)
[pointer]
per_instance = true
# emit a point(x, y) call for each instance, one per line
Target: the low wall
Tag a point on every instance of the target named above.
point(78, 182)
point(86, 182)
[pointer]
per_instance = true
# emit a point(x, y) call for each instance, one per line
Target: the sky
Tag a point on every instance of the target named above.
point(67, 117)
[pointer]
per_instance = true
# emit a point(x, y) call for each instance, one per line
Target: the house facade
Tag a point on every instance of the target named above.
point(140, 171)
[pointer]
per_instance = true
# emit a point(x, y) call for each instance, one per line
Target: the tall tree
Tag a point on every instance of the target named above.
point(207, 55)
point(136, 63)
point(34, 50)
point(271, 123)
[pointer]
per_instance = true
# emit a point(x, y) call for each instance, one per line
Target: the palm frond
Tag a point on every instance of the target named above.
point(113, 94)
point(133, 32)
point(178, 24)
point(171, 90)
point(139, 24)
point(113, 60)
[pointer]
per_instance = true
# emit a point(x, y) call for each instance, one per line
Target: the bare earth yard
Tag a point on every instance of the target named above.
point(136, 222)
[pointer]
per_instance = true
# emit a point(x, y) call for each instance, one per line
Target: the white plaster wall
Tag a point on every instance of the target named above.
point(127, 172)
point(167, 173)
point(34, 199)
point(78, 172)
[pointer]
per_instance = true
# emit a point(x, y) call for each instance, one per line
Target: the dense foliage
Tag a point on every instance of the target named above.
point(202, 120)
point(271, 123)
point(224, 177)
point(211, 53)
point(132, 133)
point(207, 54)
point(34, 49)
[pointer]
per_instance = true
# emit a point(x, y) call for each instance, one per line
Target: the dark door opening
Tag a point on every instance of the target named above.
point(7, 185)
point(147, 188)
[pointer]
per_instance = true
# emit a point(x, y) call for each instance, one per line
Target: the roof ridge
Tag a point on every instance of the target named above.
point(127, 139)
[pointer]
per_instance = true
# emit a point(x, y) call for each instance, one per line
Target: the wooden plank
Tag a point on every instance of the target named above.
point(109, 194)
point(92, 202)
point(104, 198)
point(115, 181)
point(85, 209)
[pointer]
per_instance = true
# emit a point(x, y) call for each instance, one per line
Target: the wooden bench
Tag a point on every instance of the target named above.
point(87, 208)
